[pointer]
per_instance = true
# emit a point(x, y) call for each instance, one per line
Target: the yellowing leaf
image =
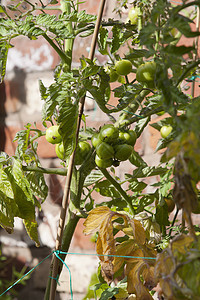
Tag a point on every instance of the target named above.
point(181, 243)
point(95, 218)
point(124, 249)
point(31, 228)
point(134, 283)
point(138, 231)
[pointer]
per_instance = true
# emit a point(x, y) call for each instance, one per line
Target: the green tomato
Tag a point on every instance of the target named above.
point(109, 133)
point(122, 152)
point(165, 131)
point(105, 151)
point(52, 135)
point(146, 73)
point(133, 15)
point(60, 150)
point(113, 75)
point(128, 137)
point(82, 151)
point(103, 163)
point(123, 67)
point(95, 140)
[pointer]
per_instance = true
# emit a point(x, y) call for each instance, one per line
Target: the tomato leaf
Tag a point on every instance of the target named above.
point(67, 121)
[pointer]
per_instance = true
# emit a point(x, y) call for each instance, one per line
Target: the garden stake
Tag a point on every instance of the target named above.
point(71, 163)
point(196, 44)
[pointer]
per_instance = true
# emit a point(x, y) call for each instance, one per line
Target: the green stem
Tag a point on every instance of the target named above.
point(55, 171)
point(62, 55)
point(66, 8)
point(118, 187)
point(131, 109)
point(67, 237)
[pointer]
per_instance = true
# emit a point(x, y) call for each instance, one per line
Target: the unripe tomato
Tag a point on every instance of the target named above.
point(82, 151)
point(128, 137)
point(123, 67)
point(60, 150)
point(105, 151)
point(165, 131)
point(146, 73)
point(52, 135)
point(109, 133)
point(112, 74)
point(95, 140)
point(122, 152)
point(103, 163)
point(133, 15)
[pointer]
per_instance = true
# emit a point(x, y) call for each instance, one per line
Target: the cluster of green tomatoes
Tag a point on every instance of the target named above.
point(111, 144)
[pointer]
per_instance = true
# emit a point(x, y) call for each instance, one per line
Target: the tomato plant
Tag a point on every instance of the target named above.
point(165, 85)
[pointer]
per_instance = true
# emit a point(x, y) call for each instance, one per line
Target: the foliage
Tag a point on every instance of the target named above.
point(132, 222)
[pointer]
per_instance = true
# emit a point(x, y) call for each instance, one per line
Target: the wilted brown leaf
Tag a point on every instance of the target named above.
point(134, 282)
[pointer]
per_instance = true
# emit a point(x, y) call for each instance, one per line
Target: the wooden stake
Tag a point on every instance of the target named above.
point(196, 46)
point(71, 163)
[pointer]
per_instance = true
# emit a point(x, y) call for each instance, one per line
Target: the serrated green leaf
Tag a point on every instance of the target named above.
point(138, 53)
point(50, 98)
point(178, 50)
point(161, 215)
point(109, 293)
point(31, 228)
point(105, 188)
point(102, 38)
point(3, 59)
point(67, 120)
point(37, 184)
point(142, 172)
point(137, 186)
point(136, 159)
point(22, 193)
point(117, 35)
point(141, 124)
point(7, 212)
point(93, 177)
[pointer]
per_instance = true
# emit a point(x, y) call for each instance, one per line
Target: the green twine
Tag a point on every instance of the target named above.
point(57, 252)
